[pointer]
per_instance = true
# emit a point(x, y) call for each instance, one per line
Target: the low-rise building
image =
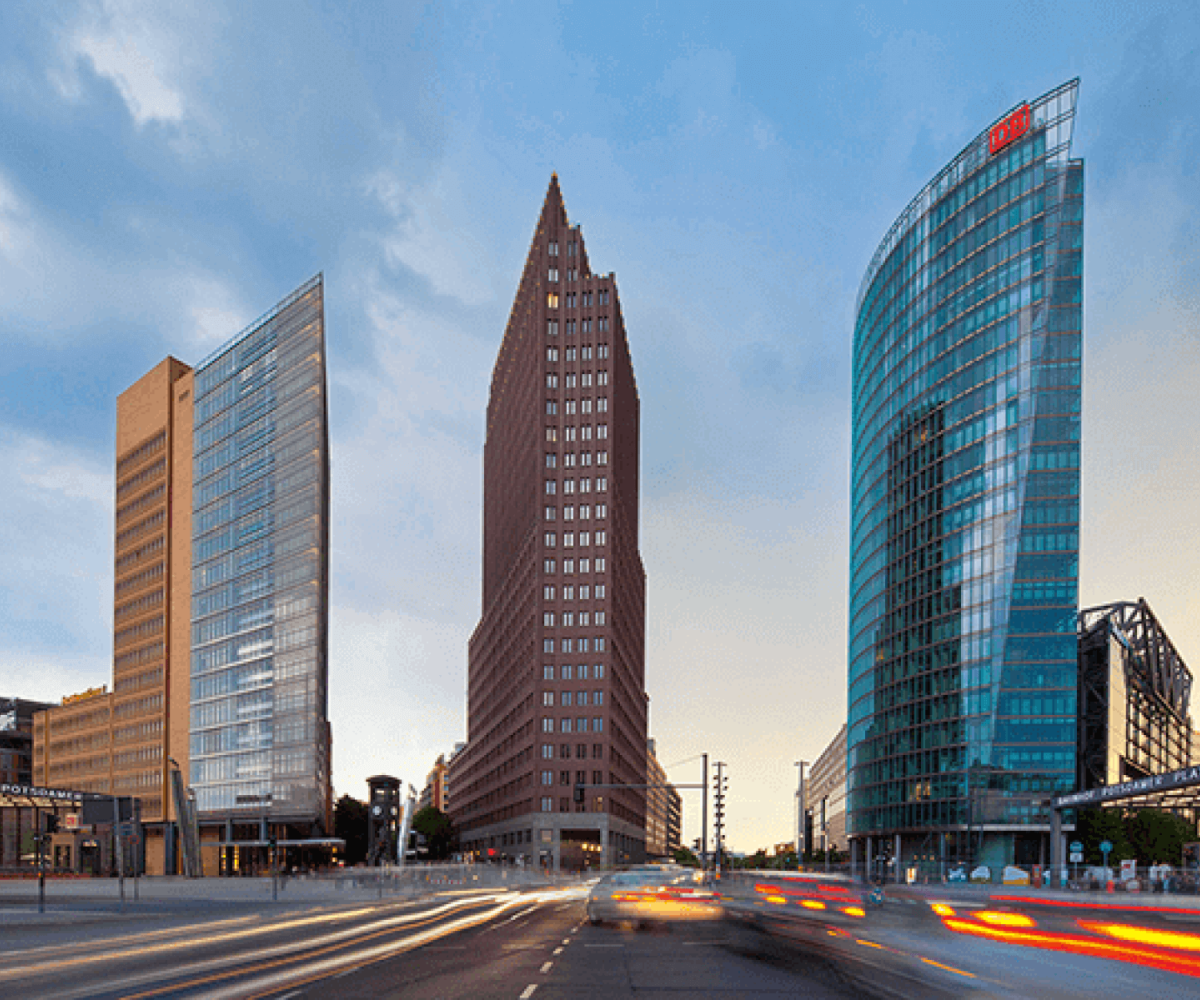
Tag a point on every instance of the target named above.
point(825, 796)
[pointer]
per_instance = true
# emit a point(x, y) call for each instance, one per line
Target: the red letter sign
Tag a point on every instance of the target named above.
point(1009, 130)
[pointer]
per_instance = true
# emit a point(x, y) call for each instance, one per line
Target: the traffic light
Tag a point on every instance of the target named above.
point(272, 842)
point(579, 793)
point(51, 823)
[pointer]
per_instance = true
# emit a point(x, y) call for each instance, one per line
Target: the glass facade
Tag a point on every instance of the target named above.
point(965, 491)
point(259, 731)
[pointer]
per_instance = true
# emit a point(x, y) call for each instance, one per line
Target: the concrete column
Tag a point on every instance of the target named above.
point(870, 859)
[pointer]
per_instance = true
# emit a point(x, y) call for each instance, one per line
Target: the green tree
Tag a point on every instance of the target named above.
point(1097, 825)
point(350, 824)
point(682, 856)
point(435, 826)
point(1159, 836)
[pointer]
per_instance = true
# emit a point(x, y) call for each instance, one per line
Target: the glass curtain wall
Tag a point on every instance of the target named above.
point(259, 569)
point(965, 494)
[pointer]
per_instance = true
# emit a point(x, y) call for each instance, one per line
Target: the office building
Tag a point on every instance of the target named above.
point(664, 809)
point(1134, 697)
point(825, 798)
point(556, 703)
point(965, 503)
point(220, 600)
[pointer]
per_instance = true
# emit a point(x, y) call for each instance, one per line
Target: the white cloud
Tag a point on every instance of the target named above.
point(144, 49)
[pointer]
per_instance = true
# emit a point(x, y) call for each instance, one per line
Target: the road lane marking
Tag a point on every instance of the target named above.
point(547, 966)
point(566, 940)
point(558, 951)
point(528, 991)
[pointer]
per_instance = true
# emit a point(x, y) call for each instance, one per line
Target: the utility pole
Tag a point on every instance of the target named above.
point(719, 785)
point(800, 845)
point(704, 816)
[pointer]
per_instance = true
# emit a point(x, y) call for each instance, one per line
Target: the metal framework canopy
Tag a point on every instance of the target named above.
point(1174, 786)
point(35, 797)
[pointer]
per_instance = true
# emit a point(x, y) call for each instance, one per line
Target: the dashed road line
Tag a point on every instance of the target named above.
point(547, 966)
point(528, 991)
point(557, 951)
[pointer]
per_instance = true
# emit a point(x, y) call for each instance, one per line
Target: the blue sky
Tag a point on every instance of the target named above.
point(168, 172)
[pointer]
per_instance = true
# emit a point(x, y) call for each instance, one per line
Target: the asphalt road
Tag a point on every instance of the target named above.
point(513, 946)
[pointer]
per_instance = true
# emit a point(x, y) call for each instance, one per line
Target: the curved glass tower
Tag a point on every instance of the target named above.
point(965, 503)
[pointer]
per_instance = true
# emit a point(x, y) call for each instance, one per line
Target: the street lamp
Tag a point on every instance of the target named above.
point(801, 764)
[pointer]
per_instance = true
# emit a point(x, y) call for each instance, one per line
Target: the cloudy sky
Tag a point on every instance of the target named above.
point(169, 171)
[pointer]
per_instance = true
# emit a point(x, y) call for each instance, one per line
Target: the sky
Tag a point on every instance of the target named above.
point(169, 172)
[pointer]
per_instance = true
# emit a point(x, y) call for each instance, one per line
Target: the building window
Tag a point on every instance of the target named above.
point(602, 324)
point(597, 725)
point(570, 327)
point(548, 592)
point(597, 751)
point(572, 247)
point(551, 460)
point(585, 432)
point(553, 248)
point(548, 672)
point(564, 725)
point(585, 566)
point(568, 539)
point(568, 593)
point(568, 565)
point(564, 698)
point(568, 619)
point(585, 538)
point(547, 804)
point(585, 618)
point(551, 512)
point(552, 300)
point(571, 300)
point(547, 779)
point(550, 539)
point(601, 510)
point(601, 566)
point(585, 325)
point(547, 645)
point(582, 644)
point(600, 592)
point(569, 433)
point(551, 407)
point(548, 565)
point(598, 671)
point(600, 619)
point(552, 354)
point(602, 404)
point(547, 751)
point(552, 274)
point(569, 486)
point(582, 699)
point(585, 380)
point(581, 752)
point(581, 725)
point(587, 298)
point(602, 484)
point(568, 513)
point(569, 460)
point(601, 536)
point(602, 299)
point(585, 485)
point(587, 406)
point(602, 458)
point(564, 805)
point(551, 433)
point(585, 458)
point(564, 751)
point(570, 354)
point(547, 724)
point(597, 697)
point(602, 351)
point(551, 328)
point(551, 381)
point(566, 672)
point(548, 699)
point(602, 431)
point(570, 408)
point(583, 671)
point(551, 487)
point(585, 354)
point(548, 619)
point(569, 380)
point(599, 646)
point(565, 646)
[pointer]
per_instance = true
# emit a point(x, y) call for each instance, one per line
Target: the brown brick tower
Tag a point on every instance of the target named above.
point(556, 677)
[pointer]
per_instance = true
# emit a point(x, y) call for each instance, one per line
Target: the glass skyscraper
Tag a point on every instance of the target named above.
point(965, 503)
point(259, 588)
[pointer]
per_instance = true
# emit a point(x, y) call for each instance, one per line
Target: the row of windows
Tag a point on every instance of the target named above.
point(138, 605)
point(585, 539)
point(569, 671)
point(568, 592)
point(585, 486)
point(145, 501)
point(580, 698)
point(571, 406)
point(569, 380)
point(564, 751)
point(569, 459)
point(584, 433)
point(586, 618)
point(582, 354)
point(568, 565)
point(580, 645)
point(585, 512)
point(578, 725)
point(564, 777)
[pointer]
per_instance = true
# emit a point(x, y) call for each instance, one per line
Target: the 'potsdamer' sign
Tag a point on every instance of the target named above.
point(1183, 778)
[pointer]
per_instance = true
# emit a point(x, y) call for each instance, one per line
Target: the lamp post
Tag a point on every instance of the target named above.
point(801, 764)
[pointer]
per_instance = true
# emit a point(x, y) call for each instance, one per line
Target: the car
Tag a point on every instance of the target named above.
point(656, 893)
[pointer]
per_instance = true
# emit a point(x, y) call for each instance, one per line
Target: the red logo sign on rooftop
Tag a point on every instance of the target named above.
point(1010, 130)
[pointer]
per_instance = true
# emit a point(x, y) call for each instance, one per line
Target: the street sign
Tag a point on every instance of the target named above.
point(1076, 857)
point(1105, 846)
point(1076, 846)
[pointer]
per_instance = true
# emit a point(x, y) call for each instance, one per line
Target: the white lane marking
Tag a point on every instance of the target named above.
point(288, 996)
point(558, 951)
point(566, 940)
point(547, 966)
point(528, 991)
